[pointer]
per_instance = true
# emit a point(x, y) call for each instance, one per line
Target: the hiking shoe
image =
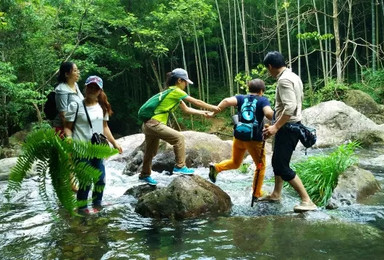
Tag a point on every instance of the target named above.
point(212, 172)
point(149, 180)
point(183, 170)
point(305, 206)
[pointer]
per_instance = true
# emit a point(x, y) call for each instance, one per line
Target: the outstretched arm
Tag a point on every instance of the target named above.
point(227, 102)
point(202, 104)
point(190, 110)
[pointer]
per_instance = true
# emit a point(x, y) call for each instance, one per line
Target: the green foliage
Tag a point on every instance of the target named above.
point(332, 91)
point(244, 167)
point(17, 98)
point(259, 72)
point(319, 174)
point(242, 79)
point(57, 159)
point(373, 84)
point(314, 35)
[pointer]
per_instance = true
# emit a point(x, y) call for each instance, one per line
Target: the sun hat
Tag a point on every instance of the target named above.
point(182, 74)
point(94, 79)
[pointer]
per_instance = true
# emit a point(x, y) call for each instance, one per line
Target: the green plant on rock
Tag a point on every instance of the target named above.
point(244, 167)
point(319, 174)
point(58, 159)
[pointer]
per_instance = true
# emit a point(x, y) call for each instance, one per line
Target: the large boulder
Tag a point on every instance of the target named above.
point(201, 149)
point(8, 163)
point(185, 197)
point(365, 104)
point(6, 166)
point(337, 123)
point(353, 185)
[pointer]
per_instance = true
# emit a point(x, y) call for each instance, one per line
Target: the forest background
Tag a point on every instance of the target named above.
point(332, 45)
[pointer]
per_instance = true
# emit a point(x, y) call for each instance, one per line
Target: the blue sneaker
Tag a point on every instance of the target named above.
point(148, 180)
point(183, 170)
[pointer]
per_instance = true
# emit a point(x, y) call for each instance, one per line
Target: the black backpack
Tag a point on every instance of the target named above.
point(50, 109)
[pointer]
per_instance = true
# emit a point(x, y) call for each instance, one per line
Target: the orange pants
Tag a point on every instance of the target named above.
point(238, 150)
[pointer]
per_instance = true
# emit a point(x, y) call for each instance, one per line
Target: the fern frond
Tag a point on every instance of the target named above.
point(85, 173)
point(88, 150)
point(57, 158)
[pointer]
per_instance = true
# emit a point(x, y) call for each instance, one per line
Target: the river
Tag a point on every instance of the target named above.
point(265, 231)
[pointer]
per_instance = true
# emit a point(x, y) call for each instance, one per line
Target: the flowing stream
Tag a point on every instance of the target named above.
point(265, 231)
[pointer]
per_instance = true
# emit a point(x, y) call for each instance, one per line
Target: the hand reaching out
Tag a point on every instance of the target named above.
point(208, 114)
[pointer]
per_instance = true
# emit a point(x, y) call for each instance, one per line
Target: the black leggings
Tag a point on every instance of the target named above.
point(285, 143)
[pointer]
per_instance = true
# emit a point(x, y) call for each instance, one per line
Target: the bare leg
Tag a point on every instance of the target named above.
point(299, 187)
point(276, 194)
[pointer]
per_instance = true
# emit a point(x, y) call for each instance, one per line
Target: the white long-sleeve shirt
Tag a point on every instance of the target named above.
point(289, 96)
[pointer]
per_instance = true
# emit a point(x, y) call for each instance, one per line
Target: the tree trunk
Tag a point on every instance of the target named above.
point(337, 41)
point(277, 25)
point(373, 35)
point(308, 72)
point(236, 44)
point(325, 78)
point(228, 67)
point(298, 40)
point(244, 32)
point(288, 37)
point(327, 41)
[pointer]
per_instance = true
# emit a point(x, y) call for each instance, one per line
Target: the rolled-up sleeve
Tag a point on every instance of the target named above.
point(287, 97)
point(71, 112)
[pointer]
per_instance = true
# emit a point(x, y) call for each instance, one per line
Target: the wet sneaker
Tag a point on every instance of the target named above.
point(212, 172)
point(148, 180)
point(305, 206)
point(183, 170)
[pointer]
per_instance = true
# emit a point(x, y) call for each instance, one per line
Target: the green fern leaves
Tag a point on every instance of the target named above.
point(57, 159)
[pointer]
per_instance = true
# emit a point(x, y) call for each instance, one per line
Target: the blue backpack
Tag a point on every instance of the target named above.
point(247, 127)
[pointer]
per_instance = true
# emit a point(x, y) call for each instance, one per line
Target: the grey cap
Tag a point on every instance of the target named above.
point(182, 74)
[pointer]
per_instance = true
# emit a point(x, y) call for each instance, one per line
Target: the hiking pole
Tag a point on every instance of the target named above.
point(258, 167)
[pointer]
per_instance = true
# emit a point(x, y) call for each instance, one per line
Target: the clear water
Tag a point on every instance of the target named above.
point(266, 231)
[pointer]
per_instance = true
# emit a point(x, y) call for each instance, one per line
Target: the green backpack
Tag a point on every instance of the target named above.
point(147, 110)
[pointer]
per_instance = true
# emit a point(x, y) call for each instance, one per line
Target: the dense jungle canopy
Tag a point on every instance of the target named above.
point(333, 45)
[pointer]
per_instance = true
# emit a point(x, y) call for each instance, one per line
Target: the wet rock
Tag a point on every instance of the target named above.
point(140, 190)
point(353, 185)
point(201, 149)
point(365, 104)
point(8, 163)
point(185, 197)
point(337, 123)
point(374, 164)
point(129, 143)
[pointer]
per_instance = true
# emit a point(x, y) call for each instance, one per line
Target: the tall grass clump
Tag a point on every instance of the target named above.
point(319, 174)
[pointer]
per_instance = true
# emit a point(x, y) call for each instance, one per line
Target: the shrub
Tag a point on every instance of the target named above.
point(372, 83)
point(319, 174)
